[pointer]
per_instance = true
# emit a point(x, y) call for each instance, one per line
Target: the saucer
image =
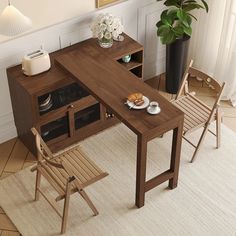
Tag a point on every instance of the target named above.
point(152, 111)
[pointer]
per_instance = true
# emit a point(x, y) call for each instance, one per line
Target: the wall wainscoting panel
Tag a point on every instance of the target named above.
point(77, 34)
point(7, 127)
point(154, 51)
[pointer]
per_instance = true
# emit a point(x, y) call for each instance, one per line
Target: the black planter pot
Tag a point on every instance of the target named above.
point(176, 58)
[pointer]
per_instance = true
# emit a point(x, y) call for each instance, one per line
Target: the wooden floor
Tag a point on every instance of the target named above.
point(14, 156)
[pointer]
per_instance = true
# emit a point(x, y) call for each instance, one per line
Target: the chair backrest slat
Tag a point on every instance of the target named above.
point(183, 86)
point(44, 152)
point(209, 81)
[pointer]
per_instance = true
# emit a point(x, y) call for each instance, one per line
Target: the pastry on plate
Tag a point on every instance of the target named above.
point(136, 98)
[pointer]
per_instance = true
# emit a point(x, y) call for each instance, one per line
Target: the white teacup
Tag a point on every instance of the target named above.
point(153, 108)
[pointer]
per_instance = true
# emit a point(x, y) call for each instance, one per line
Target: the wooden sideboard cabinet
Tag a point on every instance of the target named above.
point(60, 108)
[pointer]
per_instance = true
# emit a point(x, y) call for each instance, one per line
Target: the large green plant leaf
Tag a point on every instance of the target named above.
point(178, 30)
point(159, 24)
point(188, 31)
point(172, 3)
point(168, 38)
point(165, 18)
point(163, 30)
point(191, 7)
point(205, 5)
point(189, 1)
point(183, 17)
point(192, 16)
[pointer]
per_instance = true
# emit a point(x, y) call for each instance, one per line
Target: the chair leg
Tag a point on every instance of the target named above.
point(199, 143)
point(66, 208)
point(218, 129)
point(87, 199)
point(37, 185)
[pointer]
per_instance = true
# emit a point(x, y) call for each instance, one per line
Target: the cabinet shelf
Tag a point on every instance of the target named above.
point(62, 96)
point(135, 65)
point(130, 65)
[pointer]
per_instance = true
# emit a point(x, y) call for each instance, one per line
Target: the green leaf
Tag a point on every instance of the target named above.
point(172, 14)
point(205, 5)
point(183, 17)
point(169, 38)
point(192, 16)
point(181, 14)
point(159, 23)
point(189, 19)
point(163, 30)
point(191, 7)
point(164, 15)
point(188, 31)
point(178, 30)
point(189, 1)
point(165, 18)
point(172, 3)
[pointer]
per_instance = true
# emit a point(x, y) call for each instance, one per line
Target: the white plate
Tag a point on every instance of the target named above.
point(144, 105)
point(152, 111)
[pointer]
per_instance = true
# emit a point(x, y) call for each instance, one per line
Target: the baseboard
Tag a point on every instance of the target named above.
point(7, 127)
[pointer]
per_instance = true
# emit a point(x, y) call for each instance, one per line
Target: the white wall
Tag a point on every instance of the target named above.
point(134, 17)
point(44, 13)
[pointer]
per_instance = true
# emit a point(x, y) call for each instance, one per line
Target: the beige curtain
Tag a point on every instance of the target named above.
point(213, 44)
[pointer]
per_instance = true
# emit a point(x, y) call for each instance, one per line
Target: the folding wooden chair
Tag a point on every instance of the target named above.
point(197, 113)
point(68, 173)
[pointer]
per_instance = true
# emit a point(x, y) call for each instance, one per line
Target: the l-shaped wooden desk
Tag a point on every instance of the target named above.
point(110, 83)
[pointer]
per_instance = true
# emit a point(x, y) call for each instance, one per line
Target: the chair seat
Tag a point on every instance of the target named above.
point(196, 114)
point(83, 169)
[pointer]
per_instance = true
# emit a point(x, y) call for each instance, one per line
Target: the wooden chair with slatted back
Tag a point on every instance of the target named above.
point(196, 113)
point(69, 172)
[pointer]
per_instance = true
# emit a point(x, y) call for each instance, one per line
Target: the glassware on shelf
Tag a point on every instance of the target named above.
point(45, 102)
point(126, 58)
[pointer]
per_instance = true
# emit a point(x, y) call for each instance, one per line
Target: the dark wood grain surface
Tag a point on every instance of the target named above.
point(110, 83)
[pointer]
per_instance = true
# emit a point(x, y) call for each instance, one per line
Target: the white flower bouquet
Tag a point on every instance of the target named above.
point(106, 26)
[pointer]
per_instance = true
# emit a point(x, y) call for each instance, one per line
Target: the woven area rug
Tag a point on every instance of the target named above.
point(204, 203)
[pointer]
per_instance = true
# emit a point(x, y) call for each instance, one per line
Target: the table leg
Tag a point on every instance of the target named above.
point(141, 170)
point(175, 154)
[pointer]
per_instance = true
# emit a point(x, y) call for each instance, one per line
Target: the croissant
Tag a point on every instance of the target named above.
point(135, 97)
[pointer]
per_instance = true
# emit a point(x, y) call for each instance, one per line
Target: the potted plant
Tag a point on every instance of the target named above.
point(174, 30)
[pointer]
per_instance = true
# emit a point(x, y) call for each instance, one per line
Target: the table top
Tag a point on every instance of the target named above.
point(110, 83)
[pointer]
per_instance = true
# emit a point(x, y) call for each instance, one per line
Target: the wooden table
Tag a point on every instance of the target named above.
point(110, 83)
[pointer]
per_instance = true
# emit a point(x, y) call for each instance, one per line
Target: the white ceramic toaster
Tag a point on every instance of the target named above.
point(36, 62)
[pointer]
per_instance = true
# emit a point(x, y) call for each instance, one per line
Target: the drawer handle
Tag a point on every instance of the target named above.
point(109, 115)
point(71, 106)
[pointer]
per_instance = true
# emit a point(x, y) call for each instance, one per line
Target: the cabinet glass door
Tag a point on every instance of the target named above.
point(55, 128)
point(60, 97)
point(87, 116)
